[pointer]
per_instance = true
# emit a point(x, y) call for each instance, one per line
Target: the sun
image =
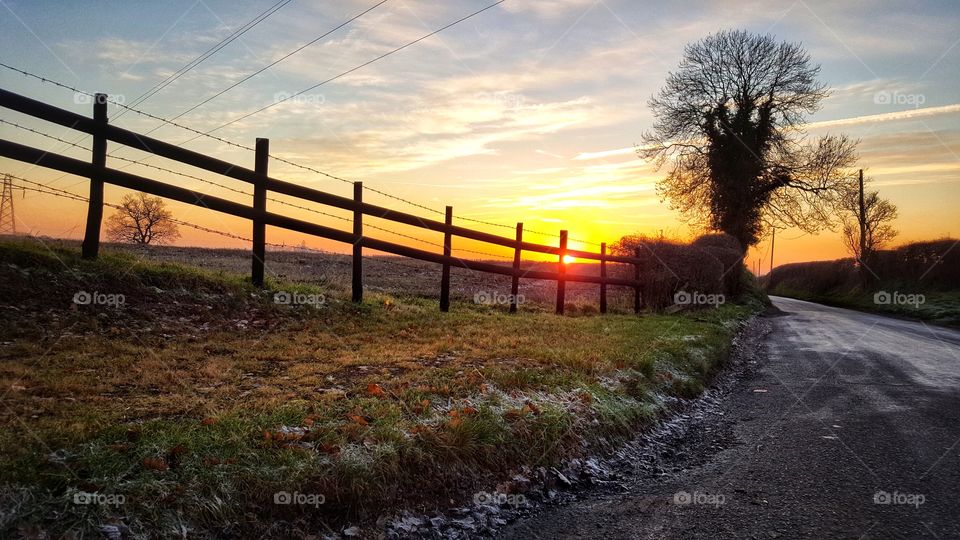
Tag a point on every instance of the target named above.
point(567, 259)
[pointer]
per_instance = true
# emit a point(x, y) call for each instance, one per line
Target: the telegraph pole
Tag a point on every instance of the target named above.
point(773, 241)
point(863, 223)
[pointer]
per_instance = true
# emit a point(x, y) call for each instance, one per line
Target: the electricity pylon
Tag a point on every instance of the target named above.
point(8, 224)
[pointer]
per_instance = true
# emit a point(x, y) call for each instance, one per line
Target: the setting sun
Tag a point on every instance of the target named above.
point(567, 259)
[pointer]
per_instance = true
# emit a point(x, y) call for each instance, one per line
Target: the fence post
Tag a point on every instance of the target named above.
point(603, 276)
point(445, 276)
point(261, 160)
point(515, 284)
point(562, 270)
point(358, 243)
point(91, 238)
point(636, 277)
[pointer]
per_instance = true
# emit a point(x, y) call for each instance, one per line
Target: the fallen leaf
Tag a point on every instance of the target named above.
point(155, 463)
point(178, 450)
point(357, 419)
point(328, 448)
point(375, 389)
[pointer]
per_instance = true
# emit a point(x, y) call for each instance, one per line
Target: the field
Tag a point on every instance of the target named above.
point(180, 400)
point(388, 274)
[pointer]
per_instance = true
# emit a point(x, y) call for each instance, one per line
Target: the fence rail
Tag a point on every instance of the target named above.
point(99, 174)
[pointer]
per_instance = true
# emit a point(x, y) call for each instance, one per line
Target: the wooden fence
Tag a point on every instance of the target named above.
point(99, 174)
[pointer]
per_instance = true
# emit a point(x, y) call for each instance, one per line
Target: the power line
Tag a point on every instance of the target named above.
point(367, 63)
point(210, 52)
point(46, 190)
point(281, 59)
point(198, 60)
point(250, 149)
point(242, 192)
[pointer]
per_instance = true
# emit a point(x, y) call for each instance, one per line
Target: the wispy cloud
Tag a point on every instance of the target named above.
point(910, 114)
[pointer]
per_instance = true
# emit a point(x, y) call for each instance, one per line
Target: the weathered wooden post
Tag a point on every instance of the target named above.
point(603, 277)
point(261, 160)
point(447, 251)
point(636, 277)
point(562, 270)
point(91, 238)
point(358, 242)
point(515, 283)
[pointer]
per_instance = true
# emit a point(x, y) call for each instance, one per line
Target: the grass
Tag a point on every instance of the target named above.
point(198, 398)
point(941, 307)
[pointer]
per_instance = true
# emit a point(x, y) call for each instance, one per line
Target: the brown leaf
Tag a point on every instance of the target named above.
point(328, 448)
point(514, 414)
point(208, 421)
point(418, 429)
point(357, 417)
point(374, 389)
point(155, 463)
point(530, 406)
point(178, 450)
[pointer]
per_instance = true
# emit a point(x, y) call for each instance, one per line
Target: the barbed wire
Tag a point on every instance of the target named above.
point(61, 192)
point(242, 192)
point(199, 134)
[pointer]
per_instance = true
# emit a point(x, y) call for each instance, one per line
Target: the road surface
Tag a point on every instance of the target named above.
point(847, 426)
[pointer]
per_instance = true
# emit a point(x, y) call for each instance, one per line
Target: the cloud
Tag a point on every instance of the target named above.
point(888, 117)
point(604, 153)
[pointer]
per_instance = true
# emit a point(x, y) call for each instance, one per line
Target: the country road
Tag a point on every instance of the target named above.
point(846, 426)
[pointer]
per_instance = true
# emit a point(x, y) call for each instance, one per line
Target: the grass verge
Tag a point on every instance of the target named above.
point(937, 307)
point(178, 401)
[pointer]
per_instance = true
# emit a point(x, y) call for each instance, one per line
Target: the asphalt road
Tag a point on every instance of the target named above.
point(846, 425)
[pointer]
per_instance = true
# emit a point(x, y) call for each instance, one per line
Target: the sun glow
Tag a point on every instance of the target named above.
point(567, 259)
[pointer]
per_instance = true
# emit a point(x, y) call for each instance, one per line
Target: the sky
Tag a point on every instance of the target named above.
point(529, 111)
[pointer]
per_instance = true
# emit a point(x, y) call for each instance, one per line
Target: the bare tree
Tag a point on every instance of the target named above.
point(866, 225)
point(142, 219)
point(730, 122)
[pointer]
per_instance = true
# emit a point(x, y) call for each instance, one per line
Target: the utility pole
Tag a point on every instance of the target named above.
point(773, 241)
point(862, 218)
point(8, 224)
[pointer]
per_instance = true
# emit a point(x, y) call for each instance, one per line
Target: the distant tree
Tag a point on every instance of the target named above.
point(730, 122)
point(866, 228)
point(142, 219)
